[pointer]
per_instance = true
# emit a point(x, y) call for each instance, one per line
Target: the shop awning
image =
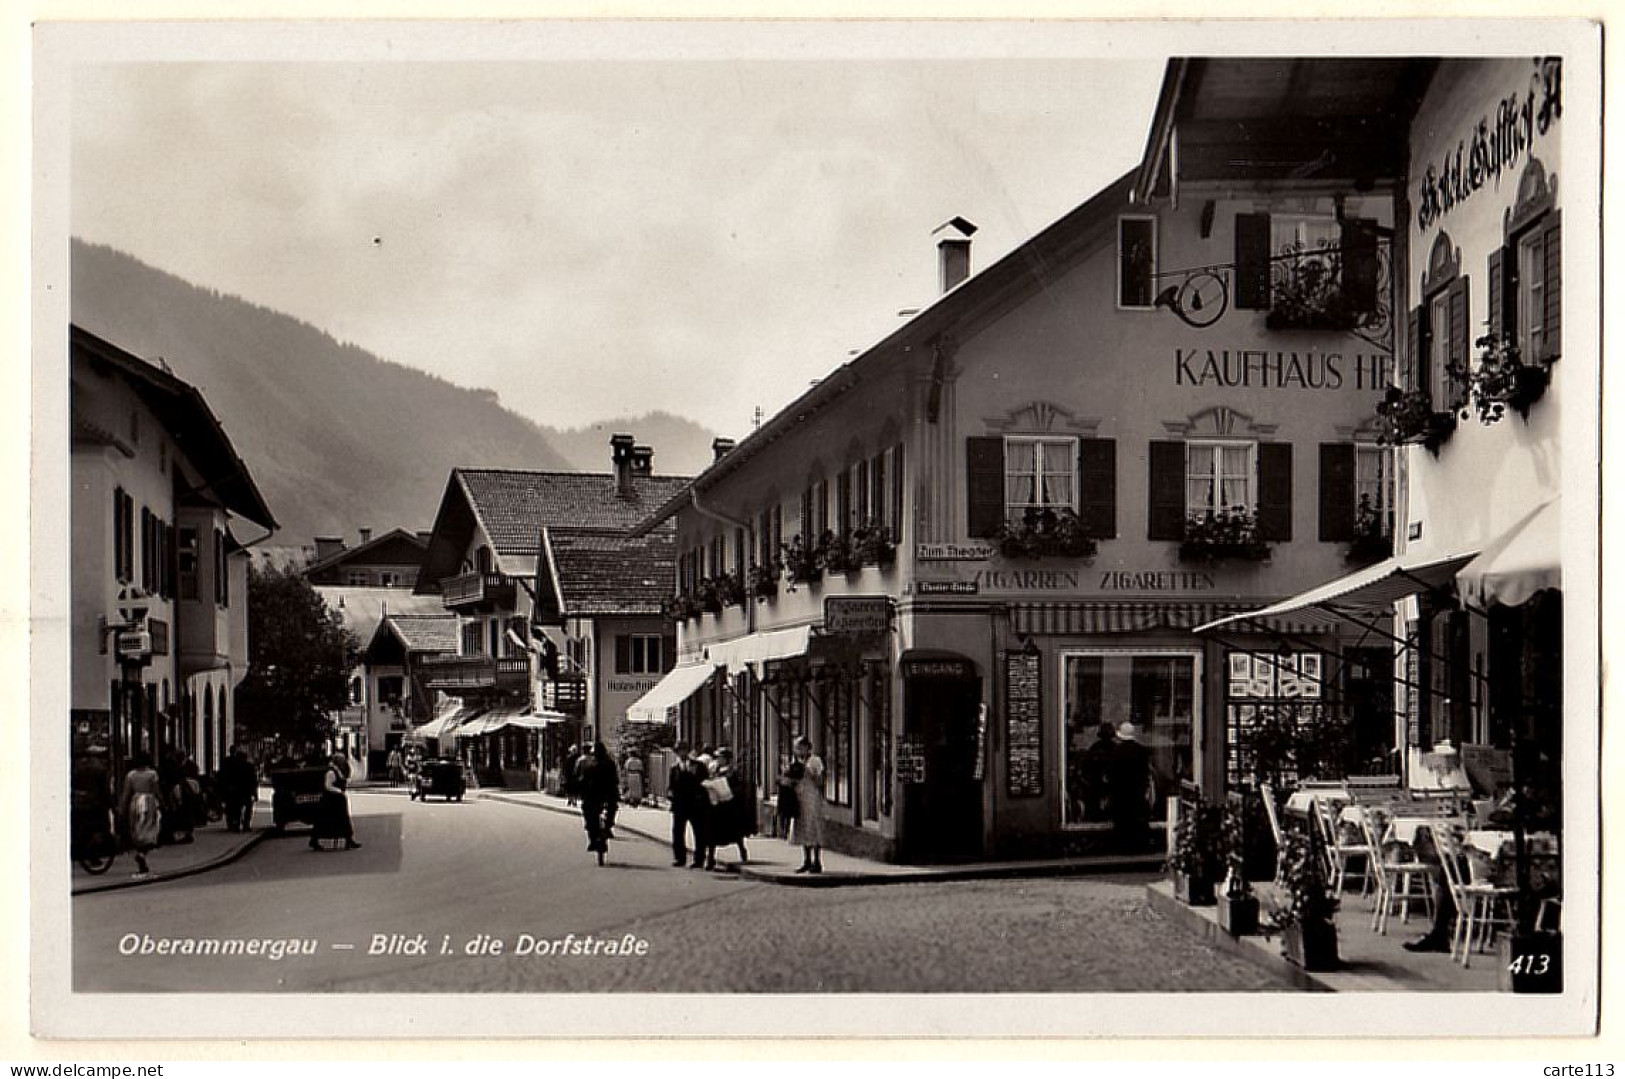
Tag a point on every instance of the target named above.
point(1069, 618)
point(759, 648)
point(451, 716)
point(524, 718)
point(676, 687)
point(1359, 597)
point(1520, 563)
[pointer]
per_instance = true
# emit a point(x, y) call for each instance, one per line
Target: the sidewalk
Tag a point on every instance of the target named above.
point(1370, 963)
point(775, 861)
point(212, 846)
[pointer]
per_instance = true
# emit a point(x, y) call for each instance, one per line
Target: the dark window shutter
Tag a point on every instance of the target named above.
point(668, 653)
point(1460, 340)
point(1253, 261)
point(897, 493)
point(1336, 492)
point(984, 485)
point(1497, 291)
point(1418, 379)
point(1275, 491)
point(805, 529)
point(1167, 509)
point(1553, 347)
point(623, 653)
point(1097, 475)
point(1359, 241)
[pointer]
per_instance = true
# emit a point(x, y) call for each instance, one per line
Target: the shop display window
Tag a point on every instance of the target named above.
point(1156, 692)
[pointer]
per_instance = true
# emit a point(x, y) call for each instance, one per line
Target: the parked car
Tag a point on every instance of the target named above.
point(441, 777)
point(296, 795)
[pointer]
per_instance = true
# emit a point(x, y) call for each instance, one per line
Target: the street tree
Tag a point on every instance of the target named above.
point(299, 659)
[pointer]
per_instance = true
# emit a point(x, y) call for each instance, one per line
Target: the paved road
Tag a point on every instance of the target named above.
point(434, 881)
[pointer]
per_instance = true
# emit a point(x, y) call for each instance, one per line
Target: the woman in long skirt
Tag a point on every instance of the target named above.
point(807, 830)
point(139, 809)
point(333, 822)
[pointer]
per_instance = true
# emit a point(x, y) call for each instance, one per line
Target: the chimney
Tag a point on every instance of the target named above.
point(366, 535)
point(643, 461)
point(620, 457)
point(328, 546)
point(953, 251)
point(720, 448)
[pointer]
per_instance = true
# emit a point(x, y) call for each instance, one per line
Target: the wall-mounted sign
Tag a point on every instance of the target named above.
point(943, 667)
point(910, 759)
point(1123, 580)
point(851, 616)
point(1024, 725)
point(945, 588)
point(952, 552)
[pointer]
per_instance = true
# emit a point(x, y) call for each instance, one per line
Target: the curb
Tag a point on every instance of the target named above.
point(231, 855)
point(1251, 948)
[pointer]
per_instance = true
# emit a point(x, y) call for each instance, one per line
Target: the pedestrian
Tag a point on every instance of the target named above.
point(1099, 764)
point(175, 823)
point(333, 819)
point(572, 757)
point(396, 766)
point(807, 830)
point(1130, 791)
point(598, 786)
point(680, 785)
point(239, 789)
point(140, 807)
point(732, 817)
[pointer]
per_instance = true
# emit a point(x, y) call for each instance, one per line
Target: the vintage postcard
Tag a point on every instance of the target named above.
point(852, 529)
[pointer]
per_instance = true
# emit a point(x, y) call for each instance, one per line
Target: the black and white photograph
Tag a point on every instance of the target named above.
point(835, 529)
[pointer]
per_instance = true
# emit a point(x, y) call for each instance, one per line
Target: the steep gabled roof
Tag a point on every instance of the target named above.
point(1025, 272)
point(187, 417)
point(513, 506)
point(361, 608)
point(424, 632)
point(584, 573)
point(364, 552)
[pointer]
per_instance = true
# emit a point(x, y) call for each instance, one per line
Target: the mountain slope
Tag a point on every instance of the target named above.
point(335, 437)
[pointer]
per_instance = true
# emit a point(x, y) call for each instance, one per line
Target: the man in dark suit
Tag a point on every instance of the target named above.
point(1130, 787)
point(684, 790)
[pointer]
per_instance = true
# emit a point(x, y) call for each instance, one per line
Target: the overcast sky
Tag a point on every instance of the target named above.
point(595, 238)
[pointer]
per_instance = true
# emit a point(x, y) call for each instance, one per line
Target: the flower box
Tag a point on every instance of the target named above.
point(1501, 380)
point(874, 544)
point(1048, 533)
point(1238, 915)
point(803, 563)
point(763, 581)
point(1228, 534)
point(1409, 418)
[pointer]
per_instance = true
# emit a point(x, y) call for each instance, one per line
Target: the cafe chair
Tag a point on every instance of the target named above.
point(1273, 812)
point(1398, 873)
point(1342, 849)
point(1481, 906)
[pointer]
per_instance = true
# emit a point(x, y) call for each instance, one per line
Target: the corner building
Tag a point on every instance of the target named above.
point(1025, 499)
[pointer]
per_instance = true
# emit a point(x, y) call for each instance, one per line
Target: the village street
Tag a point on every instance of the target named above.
point(437, 888)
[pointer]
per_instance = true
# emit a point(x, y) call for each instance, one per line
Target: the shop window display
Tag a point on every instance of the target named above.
point(1156, 692)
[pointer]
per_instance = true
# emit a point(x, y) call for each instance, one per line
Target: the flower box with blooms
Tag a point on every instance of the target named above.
point(708, 596)
point(1046, 533)
point(1373, 537)
point(1408, 417)
point(681, 607)
point(803, 563)
point(1199, 855)
point(840, 554)
point(874, 544)
point(1501, 379)
point(1228, 533)
point(763, 581)
point(1307, 919)
point(730, 589)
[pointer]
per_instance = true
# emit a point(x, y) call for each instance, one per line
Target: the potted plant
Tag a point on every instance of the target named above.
point(1044, 533)
point(1373, 539)
point(1198, 850)
point(730, 589)
point(1238, 905)
point(1408, 417)
point(763, 581)
point(1307, 919)
point(840, 554)
point(1501, 380)
point(680, 607)
point(875, 544)
point(1213, 536)
point(803, 562)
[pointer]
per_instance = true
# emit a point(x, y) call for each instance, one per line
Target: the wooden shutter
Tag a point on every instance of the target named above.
point(1275, 491)
point(1359, 242)
point(1166, 513)
point(1460, 340)
point(1097, 478)
point(897, 492)
point(668, 653)
point(984, 485)
point(623, 653)
point(805, 529)
point(1553, 346)
point(1500, 303)
point(1416, 376)
point(1253, 261)
point(1336, 492)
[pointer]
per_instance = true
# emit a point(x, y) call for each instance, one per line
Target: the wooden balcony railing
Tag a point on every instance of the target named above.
point(474, 589)
point(476, 672)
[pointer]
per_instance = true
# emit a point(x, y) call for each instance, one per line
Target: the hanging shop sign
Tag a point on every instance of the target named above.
point(1493, 145)
point(952, 552)
point(1024, 725)
point(854, 616)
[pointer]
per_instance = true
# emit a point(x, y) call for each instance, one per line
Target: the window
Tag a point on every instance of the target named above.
point(1437, 349)
point(221, 596)
point(1156, 691)
point(1136, 261)
point(877, 779)
point(639, 653)
point(1039, 473)
point(473, 635)
point(1271, 696)
point(1219, 477)
point(387, 579)
point(357, 578)
point(836, 742)
point(1374, 489)
point(1526, 273)
point(1309, 244)
point(1531, 324)
point(389, 689)
point(578, 653)
point(843, 502)
point(186, 563)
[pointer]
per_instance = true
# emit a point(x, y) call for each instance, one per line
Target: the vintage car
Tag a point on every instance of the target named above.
point(441, 777)
point(296, 795)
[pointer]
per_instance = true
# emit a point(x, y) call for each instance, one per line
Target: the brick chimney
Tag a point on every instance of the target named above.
point(953, 251)
point(621, 451)
point(720, 448)
point(328, 546)
point(643, 461)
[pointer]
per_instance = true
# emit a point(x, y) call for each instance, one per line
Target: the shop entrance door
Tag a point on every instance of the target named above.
point(943, 810)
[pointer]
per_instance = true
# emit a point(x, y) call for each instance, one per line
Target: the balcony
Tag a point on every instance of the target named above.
point(476, 673)
point(568, 695)
point(474, 590)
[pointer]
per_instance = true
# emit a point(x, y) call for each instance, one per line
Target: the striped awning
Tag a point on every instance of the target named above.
point(1103, 617)
point(452, 715)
